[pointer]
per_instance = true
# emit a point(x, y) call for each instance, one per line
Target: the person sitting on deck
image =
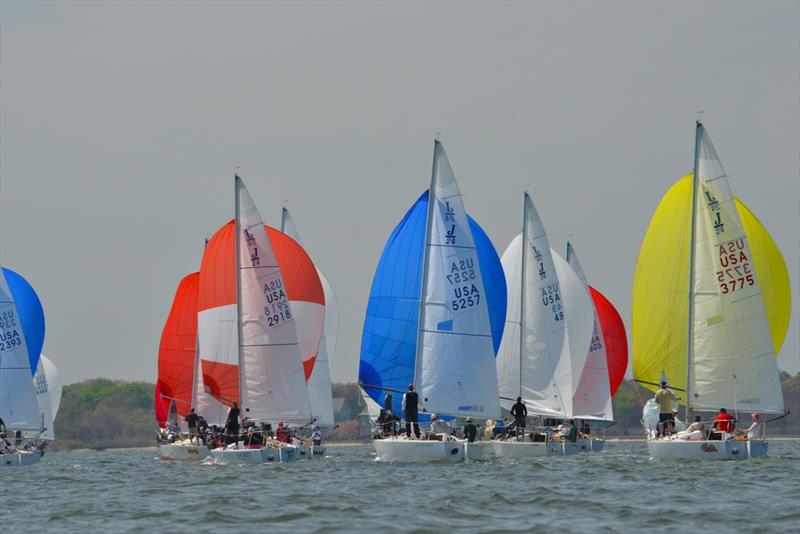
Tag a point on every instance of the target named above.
point(282, 434)
point(316, 436)
point(755, 432)
point(585, 429)
point(470, 431)
point(724, 421)
point(439, 426)
point(488, 430)
point(694, 432)
point(385, 424)
point(499, 429)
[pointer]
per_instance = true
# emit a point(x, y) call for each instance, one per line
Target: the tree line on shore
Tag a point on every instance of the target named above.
point(101, 413)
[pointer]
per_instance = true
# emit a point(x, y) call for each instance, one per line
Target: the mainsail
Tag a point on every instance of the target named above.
point(389, 339)
point(248, 340)
point(593, 396)
point(18, 406)
point(711, 295)
point(319, 382)
point(548, 324)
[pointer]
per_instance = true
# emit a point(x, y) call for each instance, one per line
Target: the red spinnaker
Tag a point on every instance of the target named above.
point(615, 337)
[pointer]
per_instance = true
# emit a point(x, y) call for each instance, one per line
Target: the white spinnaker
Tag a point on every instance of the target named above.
point(593, 396)
point(272, 380)
point(732, 362)
point(319, 383)
point(543, 368)
point(455, 370)
point(48, 386)
point(18, 407)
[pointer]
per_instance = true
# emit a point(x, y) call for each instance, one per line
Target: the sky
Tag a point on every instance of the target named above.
point(122, 124)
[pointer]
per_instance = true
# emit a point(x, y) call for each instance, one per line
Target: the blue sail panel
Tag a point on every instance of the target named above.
point(31, 315)
point(389, 338)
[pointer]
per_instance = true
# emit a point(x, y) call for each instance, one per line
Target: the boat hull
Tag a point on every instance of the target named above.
point(478, 450)
point(677, 449)
point(18, 458)
point(418, 450)
point(538, 449)
point(179, 451)
point(591, 445)
point(264, 455)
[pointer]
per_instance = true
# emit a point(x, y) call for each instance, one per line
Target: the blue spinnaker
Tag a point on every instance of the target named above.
point(389, 338)
point(31, 315)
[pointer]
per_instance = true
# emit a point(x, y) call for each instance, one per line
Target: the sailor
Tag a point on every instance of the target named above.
point(439, 426)
point(282, 433)
point(724, 421)
point(665, 400)
point(410, 411)
point(191, 420)
point(499, 429)
point(232, 424)
point(316, 437)
point(756, 430)
point(520, 412)
point(470, 431)
point(202, 428)
point(2, 427)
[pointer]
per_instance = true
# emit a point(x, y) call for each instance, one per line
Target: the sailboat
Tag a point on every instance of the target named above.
point(320, 394)
point(179, 387)
point(434, 319)
point(21, 339)
point(605, 364)
point(546, 342)
point(250, 350)
point(711, 306)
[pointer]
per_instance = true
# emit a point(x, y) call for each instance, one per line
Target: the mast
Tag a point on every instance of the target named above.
point(690, 336)
point(425, 261)
point(522, 287)
point(237, 230)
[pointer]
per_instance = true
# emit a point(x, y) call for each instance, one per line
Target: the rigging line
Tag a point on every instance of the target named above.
point(455, 333)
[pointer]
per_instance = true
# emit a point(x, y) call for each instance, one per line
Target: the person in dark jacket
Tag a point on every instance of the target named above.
point(191, 421)
point(411, 411)
point(232, 424)
point(520, 412)
point(470, 430)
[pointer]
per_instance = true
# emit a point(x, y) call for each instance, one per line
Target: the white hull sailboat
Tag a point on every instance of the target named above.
point(250, 350)
point(546, 342)
point(454, 370)
point(19, 458)
point(711, 320)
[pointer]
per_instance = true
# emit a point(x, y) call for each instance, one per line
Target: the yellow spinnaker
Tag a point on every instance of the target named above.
point(661, 286)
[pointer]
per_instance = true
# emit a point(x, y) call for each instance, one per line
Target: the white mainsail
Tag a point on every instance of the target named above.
point(272, 380)
point(47, 385)
point(592, 399)
point(18, 406)
point(732, 361)
point(548, 304)
point(455, 370)
point(319, 383)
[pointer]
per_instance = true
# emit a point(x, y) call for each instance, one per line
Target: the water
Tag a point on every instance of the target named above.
point(618, 489)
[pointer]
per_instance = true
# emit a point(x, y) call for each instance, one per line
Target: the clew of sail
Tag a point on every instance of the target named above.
point(455, 369)
point(593, 395)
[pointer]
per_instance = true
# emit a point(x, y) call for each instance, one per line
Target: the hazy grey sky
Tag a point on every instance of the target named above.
point(121, 125)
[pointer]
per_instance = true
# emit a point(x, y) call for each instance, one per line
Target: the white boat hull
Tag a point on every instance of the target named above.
point(20, 458)
point(531, 449)
point(264, 455)
point(477, 450)
point(418, 450)
point(180, 451)
point(678, 449)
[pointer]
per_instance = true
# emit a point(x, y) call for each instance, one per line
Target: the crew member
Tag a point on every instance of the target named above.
point(191, 420)
point(666, 401)
point(232, 424)
point(724, 421)
point(520, 412)
point(411, 411)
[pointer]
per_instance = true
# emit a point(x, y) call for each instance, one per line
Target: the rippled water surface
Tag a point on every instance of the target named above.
point(619, 489)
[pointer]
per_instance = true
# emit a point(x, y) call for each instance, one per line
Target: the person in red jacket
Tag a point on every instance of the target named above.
point(724, 421)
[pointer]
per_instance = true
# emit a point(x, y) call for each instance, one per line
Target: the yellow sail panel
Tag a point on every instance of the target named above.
point(772, 275)
point(660, 307)
point(661, 285)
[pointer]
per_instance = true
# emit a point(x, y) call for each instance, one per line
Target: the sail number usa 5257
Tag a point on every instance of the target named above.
point(464, 294)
